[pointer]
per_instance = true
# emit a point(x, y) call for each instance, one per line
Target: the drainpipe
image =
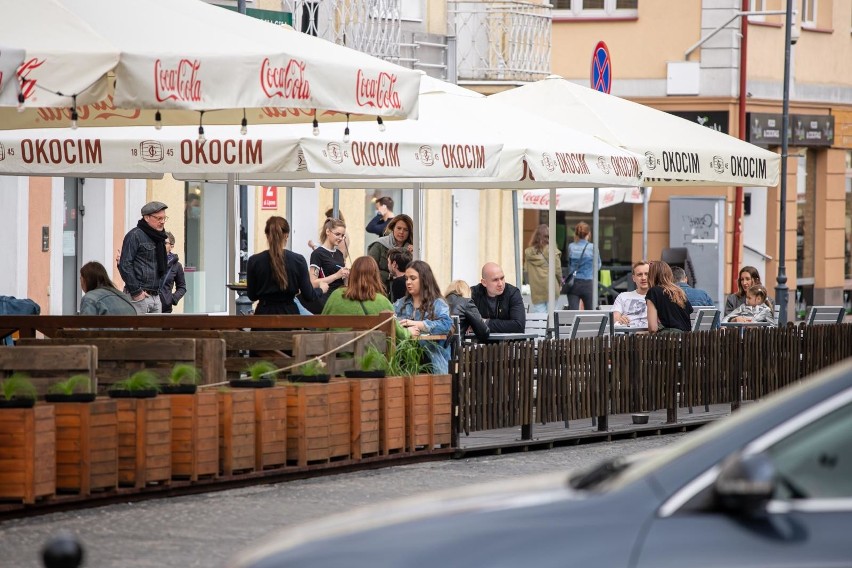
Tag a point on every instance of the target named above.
point(743, 132)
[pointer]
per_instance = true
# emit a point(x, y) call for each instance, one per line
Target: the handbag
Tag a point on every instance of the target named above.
point(568, 283)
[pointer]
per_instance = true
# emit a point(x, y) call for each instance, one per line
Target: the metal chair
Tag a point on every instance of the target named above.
point(572, 324)
point(537, 324)
point(705, 319)
point(825, 315)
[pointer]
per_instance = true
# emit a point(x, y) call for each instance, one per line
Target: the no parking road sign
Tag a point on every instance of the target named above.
point(601, 75)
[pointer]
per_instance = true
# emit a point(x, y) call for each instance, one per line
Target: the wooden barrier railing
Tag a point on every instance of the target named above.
point(594, 377)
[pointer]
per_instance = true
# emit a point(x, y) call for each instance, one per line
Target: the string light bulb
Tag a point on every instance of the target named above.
point(21, 100)
point(158, 121)
point(346, 130)
point(316, 127)
point(201, 137)
point(381, 124)
point(244, 124)
point(74, 115)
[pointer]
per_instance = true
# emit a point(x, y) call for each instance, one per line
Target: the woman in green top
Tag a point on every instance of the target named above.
point(364, 294)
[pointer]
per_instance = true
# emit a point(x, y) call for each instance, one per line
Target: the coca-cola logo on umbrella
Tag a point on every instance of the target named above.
point(288, 82)
point(28, 85)
point(377, 92)
point(180, 83)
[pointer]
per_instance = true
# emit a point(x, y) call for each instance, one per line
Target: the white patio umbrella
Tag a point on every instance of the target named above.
point(187, 55)
point(579, 200)
point(10, 60)
point(291, 151)
point(675, 151)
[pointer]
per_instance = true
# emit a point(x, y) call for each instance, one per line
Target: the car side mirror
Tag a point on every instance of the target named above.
point(745, 483)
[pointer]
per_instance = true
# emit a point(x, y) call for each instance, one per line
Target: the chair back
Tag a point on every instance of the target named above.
point(537, 324)
point(705, 319)
point(571, 324)
point(825, 315)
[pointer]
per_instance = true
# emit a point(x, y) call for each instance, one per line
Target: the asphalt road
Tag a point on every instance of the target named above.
point(205, 530)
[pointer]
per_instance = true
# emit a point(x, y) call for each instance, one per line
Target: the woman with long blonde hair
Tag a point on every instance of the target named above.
point(668, 307)
point(274, 277)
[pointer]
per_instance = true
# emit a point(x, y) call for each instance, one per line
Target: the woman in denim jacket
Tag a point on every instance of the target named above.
point(423, 311)
point(580, 258)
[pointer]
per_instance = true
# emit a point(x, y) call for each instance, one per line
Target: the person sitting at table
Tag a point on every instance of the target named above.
point(757, 308)
point(423, 311)
point(748, 277)
point(668, 308)
point(101, 297)
point(458, 297)
point(696, 296)
point(398, 261)
point(327, 262)
point(362, 295)
point(629, 307)
point(500, 303)
point(275, 276)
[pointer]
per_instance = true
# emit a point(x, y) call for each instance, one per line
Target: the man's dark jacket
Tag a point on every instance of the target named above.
point(510, 316)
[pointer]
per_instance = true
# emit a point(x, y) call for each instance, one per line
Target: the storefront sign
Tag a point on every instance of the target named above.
point(270, 197)
point(715, 119)
point(271, 16)
point(804, 129)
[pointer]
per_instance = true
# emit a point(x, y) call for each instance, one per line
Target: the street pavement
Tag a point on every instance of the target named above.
point(205, 530)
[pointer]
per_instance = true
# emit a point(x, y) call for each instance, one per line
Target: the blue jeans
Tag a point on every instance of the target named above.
point(538, 308)
point(150, 304)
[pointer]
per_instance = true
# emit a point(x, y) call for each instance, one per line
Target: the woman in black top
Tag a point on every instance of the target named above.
point(668, 308)
point(275, 276)
point(327, 261)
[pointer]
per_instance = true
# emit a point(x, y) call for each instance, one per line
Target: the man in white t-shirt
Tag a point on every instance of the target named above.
point(630, 308)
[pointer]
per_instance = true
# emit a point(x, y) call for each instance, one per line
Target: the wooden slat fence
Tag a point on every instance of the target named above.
point(514, 384)
point(495, 384)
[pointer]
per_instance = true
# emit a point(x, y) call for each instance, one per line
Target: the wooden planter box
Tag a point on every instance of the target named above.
point(270, 406)
point(318, 422)
point(365, 398)
point(27, 453)
point(236, 431)
point(144, 441)
point(393, 412)
point(195, 435)
point(428, 412)
point(86, 446)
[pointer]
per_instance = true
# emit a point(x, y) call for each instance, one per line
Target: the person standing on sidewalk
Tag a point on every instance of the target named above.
point(174, 282)
point(142, 263)
point(536, 258)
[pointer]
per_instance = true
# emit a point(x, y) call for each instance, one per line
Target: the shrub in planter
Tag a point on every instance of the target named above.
point(260, 375)
point(17, 391)
point(73, 389)
point(372, 365)
point(183, 379)
point(141, 384)
point(408, 359)
point(310, 372)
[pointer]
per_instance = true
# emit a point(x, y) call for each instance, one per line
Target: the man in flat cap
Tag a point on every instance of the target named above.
point(143, 258)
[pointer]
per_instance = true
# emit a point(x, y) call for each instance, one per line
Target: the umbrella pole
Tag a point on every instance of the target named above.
point(519, 280)
point(418, 221)
point(551, 257)
point(288, 209)
point(335, 202)
point(233, 237)
point(596, 223)
point(644, 191)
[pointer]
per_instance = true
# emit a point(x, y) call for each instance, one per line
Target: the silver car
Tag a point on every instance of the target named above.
point(769, 486)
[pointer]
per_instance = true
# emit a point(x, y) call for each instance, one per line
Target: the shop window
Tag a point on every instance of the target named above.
point(206, 262)
point(805, 217)
point(595, 8)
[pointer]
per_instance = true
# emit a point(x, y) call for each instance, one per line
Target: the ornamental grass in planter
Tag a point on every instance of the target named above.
point(27, 442)
point(194, 424)
point(183, 379)
point(312, 371)
point(77, 388)
point(144, 431)
point(261, 375)
point(372, 365)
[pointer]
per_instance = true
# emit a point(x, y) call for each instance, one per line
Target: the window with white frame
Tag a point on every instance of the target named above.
point(809, 13)
point(411, 10)
point(595, 8)
point(757, 6)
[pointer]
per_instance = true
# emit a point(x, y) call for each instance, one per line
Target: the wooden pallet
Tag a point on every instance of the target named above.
point(393, 415)
point(144, 441)
point(86, 446)
point(318, 422)
point(365, 398)
point(236, 431)
point(428, 401)
point(271, 427)
point(195, 435)
point(27, 453)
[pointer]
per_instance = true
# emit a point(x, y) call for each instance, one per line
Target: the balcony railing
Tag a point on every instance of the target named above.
point(501, 40)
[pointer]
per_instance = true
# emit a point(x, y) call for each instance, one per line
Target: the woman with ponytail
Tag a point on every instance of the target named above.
point(275, 276)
